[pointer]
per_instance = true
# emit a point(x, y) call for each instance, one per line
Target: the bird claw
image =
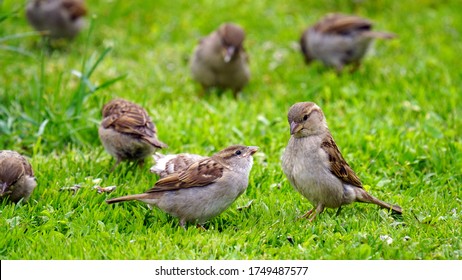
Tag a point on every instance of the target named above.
point(307, 215)
point(201, 227)
point(3, 187)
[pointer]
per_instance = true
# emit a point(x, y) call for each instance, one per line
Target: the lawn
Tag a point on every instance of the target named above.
point(397, 121)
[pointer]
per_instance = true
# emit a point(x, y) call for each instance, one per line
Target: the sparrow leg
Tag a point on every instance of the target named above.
point(308, 60)
point(183, 224)
point(339, 65)
point(202, 91)
point(236, 93)
point(355, 66)
point(307, 214)
point(319, 210)
point(115, 165)
point(201, 227)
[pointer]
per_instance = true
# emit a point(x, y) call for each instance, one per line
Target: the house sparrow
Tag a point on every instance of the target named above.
point(127, 131)
point(203, 190)
point(338, 40)
point(57, 18)
point(168, 164)
point(315, 167)
point(220, 60)
point(17, 179)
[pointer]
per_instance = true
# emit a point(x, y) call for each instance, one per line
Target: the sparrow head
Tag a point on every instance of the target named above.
point(3, 187)
point(76, 9)
point(305, 119)
point(232, 36)
point(236, 156)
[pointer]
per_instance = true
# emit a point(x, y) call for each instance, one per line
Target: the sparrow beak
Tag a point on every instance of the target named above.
point(252, 150)
point(3, 187)
point(229, 52)
point(295, 127)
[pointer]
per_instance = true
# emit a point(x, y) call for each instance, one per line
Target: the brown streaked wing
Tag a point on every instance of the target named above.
point(198, 174)
point(339, 24)
point(11, 170)
point(338, 166)
point(27, 167)
point(130, 119)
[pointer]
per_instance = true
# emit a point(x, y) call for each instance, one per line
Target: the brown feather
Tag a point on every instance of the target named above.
point(338, 166)
point(232, 35)
point(198, 174)
point(76, 9)
point(340, 24)
point(10, 171)
point(130, 118)
point(13, 166)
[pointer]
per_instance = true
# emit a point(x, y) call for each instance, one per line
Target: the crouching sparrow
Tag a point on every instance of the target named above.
point(17, 179)
point(127, 131)
point(220, 60)
point(338, 40)
point(315, 167)
point(204, 189)
point(57, 18)
point(168, 164)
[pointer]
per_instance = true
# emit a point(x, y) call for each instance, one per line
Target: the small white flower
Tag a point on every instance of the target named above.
point(386, 238)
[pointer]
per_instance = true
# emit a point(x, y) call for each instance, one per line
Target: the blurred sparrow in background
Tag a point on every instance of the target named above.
point(220, 60)
point(127, 132)
point(168, 164)
point(338, 40)
point(57, 18)
point(17, 179)
point(315, 167)
point(203, 190)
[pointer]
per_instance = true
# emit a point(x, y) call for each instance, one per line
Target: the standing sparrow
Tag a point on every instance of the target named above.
point(17, 179)
point(338, 40)
point(57, 18)
point(203, 190)
point(315, 167)
point(168, 164)
point(220, 60)
point(127, 131)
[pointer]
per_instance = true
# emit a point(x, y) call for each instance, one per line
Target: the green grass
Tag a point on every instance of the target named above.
point(397, 122)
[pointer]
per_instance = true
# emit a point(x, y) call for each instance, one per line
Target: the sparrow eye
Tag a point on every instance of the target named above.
point(238, 152)
point(305, 117)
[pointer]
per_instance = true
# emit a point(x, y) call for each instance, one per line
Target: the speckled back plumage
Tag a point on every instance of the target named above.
point(204, 189)
point(17, 179)
point(127, 132)
point(338, 40)
point(129, 118)
point(168, 164)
